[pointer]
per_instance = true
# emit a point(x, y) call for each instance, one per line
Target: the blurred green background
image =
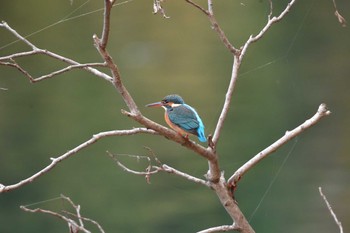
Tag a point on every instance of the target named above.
point(300, 63)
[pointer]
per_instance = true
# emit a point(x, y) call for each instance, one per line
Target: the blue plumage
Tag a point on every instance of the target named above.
point(181, 117)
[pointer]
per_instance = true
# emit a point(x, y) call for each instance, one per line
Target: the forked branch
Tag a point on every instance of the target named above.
point(154, 169)
point(10, 60)
point(73, 225)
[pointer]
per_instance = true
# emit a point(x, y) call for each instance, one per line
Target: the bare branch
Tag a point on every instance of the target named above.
point(148, 171)
point(72, 224)
point(87, 220)
point(157, 7)
point(215, 25)
point(101, 45)
point(68, 220)
point(269, 23)
point(106, 24)
point(321, 112)
point(238, 56)
point(172, 135)
point(223, 228)
point(78, 215)
point(230, 205)
point(228, 97)
point(151, 169)
point(35, 50)
point(198, 7)
point(117, 81)
point(331, 210)
point(340, 18)
point(172, 170)
point(16, 34)
point(55, 161)
point(14, 64)
point(76, 207)
point(271, 10)
point(68, 68)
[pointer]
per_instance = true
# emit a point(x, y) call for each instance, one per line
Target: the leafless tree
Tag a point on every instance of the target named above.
point(214, 179)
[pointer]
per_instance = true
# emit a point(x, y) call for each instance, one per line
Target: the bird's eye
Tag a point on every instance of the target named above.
point(164, 101)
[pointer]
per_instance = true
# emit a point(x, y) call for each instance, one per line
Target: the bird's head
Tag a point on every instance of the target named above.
point(169, 101)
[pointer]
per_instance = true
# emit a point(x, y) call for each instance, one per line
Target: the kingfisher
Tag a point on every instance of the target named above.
point(181, 117)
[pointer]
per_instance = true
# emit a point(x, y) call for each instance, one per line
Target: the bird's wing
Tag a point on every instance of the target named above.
point(185, 118)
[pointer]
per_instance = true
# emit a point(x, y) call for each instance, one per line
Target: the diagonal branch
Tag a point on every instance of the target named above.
point(101, 45)
point(16, 34)
point(228, 98)
point(55, 161)
point(66, 69)
point(321, 112)
point(331, 210)
point(215, 25)
point(340, 18)
point(14, 64)
point(35, 50)
point(71, 223)
point(171, 170)
point(269, 23)
point(238, 56)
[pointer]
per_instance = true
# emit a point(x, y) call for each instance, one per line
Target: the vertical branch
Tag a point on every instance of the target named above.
point(106, 25)
point(228, 98)
point(101, 45)
point(210, 7)
point(271, 10)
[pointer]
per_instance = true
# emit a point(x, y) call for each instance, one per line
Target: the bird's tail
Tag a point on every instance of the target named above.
point(201, 136)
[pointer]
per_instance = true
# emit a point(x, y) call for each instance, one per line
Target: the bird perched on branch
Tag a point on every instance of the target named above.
point(181, 117)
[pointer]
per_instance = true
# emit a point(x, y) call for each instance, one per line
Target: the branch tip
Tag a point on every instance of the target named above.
point(331, 210)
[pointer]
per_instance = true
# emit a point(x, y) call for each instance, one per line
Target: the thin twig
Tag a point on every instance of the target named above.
point(172, 170)
point(55, 161)
point(331, 210)
point(223, 228)
point(106, 25)
point(198, 7)
point(151, 169)
point(321, 112)
point(269, 23)
point(16, 34)
point(78, 215)
point(76, 207)
point(271, 10)
point(157, 7)
point(35, 50)
point(340, 18)
point(86, 219)
point(125, 168)
point(68, 220)
point(101, 45)
point(72, 224)
point(14, 64)
point(68, 68)
point(215, 25)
